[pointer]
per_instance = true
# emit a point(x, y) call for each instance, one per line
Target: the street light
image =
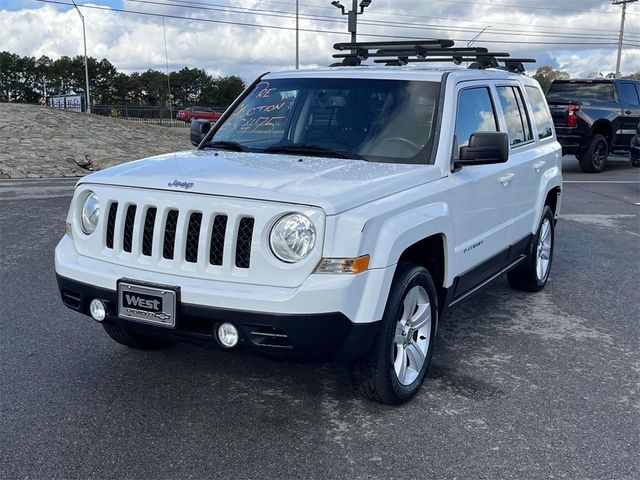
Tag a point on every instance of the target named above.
point(86, 68)
point(352, 15)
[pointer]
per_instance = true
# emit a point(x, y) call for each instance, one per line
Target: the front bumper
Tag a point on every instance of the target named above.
point(324, 336)
point(334, 316)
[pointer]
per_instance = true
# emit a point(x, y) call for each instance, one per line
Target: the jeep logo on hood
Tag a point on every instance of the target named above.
point(179, 184)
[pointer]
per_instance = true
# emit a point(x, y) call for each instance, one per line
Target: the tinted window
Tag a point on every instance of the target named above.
point(475, 114)
point(518, 126)
point(539, 112)
point(585, 91)
point(629, 94)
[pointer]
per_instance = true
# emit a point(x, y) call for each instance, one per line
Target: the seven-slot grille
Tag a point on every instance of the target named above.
point(195, 229)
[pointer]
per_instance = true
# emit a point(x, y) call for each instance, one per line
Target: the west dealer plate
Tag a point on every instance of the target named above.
point(148, 304)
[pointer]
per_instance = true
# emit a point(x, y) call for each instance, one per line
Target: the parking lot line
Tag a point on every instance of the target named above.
point(601, 181)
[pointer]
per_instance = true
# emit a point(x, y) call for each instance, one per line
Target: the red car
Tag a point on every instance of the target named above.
point(198, 113)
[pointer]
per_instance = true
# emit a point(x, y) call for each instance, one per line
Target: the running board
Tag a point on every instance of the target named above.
point(480, 286)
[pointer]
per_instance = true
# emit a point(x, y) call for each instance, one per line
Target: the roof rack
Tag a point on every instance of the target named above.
point(413, 51)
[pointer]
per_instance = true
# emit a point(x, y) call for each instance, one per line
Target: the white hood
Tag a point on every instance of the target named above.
point(335, 185)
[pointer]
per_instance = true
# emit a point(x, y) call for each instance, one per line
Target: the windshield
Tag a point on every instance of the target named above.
point(586, 91)
point(376, 120)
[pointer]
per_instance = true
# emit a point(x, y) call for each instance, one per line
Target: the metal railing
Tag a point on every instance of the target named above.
point(154, 115)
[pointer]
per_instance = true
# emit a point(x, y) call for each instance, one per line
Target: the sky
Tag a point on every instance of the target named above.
point(250, 37)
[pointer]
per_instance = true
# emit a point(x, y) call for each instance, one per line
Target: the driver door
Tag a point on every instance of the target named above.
point(480, 201)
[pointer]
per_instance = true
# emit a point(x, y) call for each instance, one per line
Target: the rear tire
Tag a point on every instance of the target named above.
point(132, 339)
point(594, 158)
point(393, 371)
point(532, 274)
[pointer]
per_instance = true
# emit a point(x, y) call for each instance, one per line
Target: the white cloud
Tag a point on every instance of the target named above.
point(135, 42)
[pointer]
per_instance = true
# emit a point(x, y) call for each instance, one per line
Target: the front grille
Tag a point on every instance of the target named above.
point(147, 234)
point(218, 232)
point(193, 238)
point(243, 245)
point(159, 233)
point(127, 236)
point(170, 234)
point(111, 224)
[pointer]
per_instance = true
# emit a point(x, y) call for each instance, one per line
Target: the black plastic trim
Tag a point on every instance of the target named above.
point(321, 336)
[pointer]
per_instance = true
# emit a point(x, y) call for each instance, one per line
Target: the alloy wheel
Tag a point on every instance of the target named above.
point(412, 336)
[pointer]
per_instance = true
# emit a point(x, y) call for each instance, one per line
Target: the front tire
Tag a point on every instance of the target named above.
point(594, 158)
point(393, 371)
point(532, 274)
point(132, 339)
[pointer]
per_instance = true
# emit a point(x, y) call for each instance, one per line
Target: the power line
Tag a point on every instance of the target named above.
point(511, 5)
point(416, 26)
point(281, 27)
point(278, 13)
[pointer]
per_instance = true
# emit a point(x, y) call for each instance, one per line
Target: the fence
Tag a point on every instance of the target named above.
point(137, 113)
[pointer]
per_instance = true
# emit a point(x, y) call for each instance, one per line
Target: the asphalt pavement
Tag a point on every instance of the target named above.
point(525, 386)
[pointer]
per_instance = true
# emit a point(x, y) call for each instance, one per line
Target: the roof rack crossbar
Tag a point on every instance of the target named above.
point(410, 51)
point(425, 53)
point(378, 45)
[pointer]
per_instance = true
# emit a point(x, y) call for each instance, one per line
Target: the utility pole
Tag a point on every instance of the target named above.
point(166, 59)
point(297, 34)
point(352, 16)
point(624, 11)
point(86, 68)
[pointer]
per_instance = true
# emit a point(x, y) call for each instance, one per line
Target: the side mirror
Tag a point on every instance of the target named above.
point(199, 130)
point(484, 148)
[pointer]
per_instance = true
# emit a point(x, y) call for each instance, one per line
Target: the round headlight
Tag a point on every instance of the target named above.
point(292, 237)
point(90, 213)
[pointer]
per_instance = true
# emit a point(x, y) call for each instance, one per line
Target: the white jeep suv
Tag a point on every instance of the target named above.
point(331, 213)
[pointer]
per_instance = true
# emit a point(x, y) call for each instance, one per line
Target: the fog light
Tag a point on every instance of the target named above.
point(97, 309)
point(228, 335)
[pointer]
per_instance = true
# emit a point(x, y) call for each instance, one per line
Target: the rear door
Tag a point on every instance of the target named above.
point(524, 160)
point(629, 97)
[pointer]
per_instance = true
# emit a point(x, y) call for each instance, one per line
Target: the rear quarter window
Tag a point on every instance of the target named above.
point(540, 113)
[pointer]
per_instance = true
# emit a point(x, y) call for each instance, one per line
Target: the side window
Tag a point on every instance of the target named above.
point(540, 113)
point(518, 126)
point(475, 114)
point(629, 94)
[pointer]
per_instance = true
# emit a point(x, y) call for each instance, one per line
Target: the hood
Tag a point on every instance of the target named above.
point(335, 185)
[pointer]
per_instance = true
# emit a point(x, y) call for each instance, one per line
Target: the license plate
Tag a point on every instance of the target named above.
point(148, 304)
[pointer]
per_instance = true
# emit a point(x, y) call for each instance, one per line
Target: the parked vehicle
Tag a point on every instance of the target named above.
point(634, 149)
point(331, 213)
point(198, 113)
point(594, 118)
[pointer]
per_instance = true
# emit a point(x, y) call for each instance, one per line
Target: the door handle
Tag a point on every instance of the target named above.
point(506, 179)
point(538, 166)
point(628, 112)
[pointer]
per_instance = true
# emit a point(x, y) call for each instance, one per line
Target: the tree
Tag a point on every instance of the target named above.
point(227, 89)
point(546, 74)
point(27, 79)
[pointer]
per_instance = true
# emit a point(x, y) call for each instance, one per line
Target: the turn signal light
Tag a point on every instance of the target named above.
point(344, 265)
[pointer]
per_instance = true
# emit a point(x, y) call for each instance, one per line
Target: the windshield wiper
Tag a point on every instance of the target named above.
point(235, 146)
point(310, 149)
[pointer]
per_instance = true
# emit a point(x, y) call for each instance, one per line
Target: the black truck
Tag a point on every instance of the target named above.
point(594, 118)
